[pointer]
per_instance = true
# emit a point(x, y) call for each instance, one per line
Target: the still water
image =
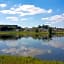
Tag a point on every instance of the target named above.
point(42, 48)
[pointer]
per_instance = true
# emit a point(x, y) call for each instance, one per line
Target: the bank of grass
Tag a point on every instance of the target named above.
point(33, 33)
point(29, 33)
point(8, 32)
point(21, 33)
point(25, 60)
point(59, 33)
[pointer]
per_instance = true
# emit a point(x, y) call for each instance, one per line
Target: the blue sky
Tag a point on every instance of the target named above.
point(29, 13)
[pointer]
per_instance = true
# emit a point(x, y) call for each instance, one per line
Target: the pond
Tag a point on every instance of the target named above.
point(42, 48)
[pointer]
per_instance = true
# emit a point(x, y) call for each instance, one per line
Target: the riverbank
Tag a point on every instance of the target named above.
point(25, 60)
point(29, 33)
point(26, 33)
point(22, 33)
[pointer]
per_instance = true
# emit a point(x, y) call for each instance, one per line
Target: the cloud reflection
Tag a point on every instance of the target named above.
point(25, 51)
point(55, 44)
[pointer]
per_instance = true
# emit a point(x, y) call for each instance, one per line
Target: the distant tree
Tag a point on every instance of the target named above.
point(39, 26)
point(36, 30)
point(4, 28)
point(45, 26)
point(50, 31)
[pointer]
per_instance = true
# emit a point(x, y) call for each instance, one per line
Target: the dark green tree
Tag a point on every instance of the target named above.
point(39, 26)
point(36, 30)
point(49, 31)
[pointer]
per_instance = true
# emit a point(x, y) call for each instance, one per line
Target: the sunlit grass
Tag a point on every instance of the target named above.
point(22, 33)
point(29, 33)
point(25, 60)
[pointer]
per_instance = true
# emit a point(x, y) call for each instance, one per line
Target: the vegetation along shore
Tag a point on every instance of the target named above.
point(25, 60)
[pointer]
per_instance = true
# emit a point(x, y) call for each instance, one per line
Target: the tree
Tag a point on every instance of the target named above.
point(50, 31)
point(39, 26)
point(45, 26)
point(36, 30)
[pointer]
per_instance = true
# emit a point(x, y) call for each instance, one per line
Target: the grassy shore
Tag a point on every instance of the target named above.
point(59, 33)
point(27, 32)
point(21, 33)
point(25, 60)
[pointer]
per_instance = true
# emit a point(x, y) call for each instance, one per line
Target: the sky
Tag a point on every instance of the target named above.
point(31, 13)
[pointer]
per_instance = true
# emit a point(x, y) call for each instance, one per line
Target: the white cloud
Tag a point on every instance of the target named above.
point(45, 18)
point(32, 10)
point(24, 19)
point(55, 18)
point(8, 12)
point(12, 18)
point(50, 11)
point(3, 5)
point(25, 10)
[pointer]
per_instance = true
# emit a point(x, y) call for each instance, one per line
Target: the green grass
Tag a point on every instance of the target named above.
point(25, 60)
point(8, 32)
point(21, 33)
point(33, 33)
point(29, 33)
point(59, 33)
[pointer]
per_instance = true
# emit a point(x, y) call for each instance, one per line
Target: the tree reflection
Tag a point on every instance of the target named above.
point(6, 37)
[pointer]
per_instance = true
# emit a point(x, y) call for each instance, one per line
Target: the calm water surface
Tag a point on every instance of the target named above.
point(46, 49)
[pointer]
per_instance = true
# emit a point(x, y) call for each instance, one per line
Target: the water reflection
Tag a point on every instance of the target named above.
point(5, 37)
point(16, 37)
point(24, 51)
point(42, 47)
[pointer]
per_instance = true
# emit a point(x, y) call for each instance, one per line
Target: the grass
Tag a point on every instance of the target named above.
point(8, 32)
point(59, 33)
point(21, 33)
point(25, 60)
point(33, 34)
point(26, 33)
